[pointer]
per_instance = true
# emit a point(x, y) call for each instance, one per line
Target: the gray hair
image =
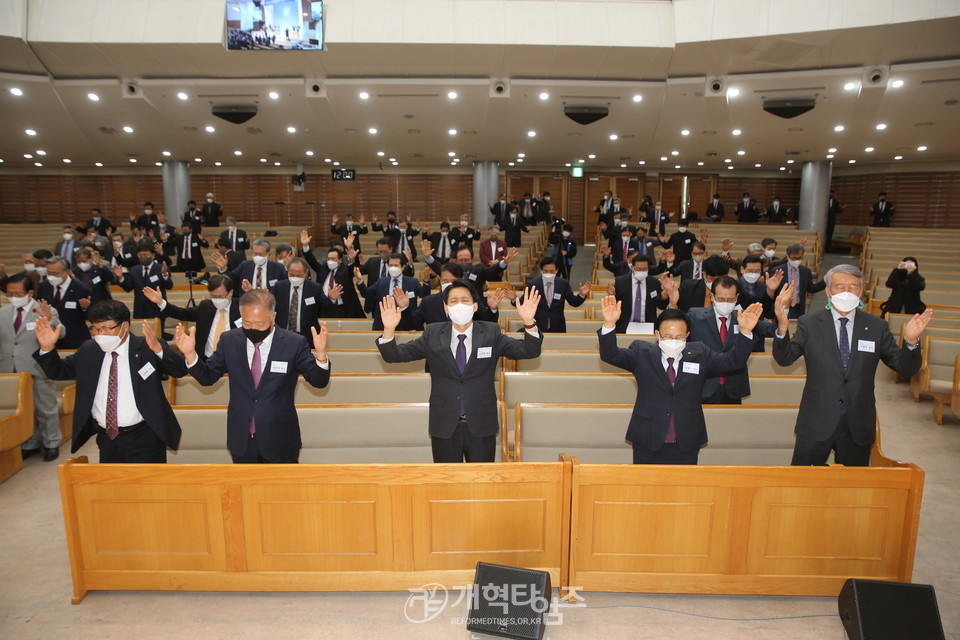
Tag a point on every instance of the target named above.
point(260, 242)
point(58, 260)
point(754, 246)
point(848, 269)
point(258, 298)
point(300, 261)
point(795, 248)
point(231, 219)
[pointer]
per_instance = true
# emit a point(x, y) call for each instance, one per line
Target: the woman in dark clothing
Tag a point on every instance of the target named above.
point(905, 284)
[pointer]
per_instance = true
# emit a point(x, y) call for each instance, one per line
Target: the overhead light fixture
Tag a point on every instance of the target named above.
point(898, 157)
point(291, 129)
point(510, 164)
point(736, 132)
point(452, 132)
point(676, 166)
point(757, 165)
point(733, 93)
point(674, 153)
point(263, 159)
point(685, 132)
point(93, 97)
point(850, 86)
point(336, 163)
point(614, 136)
point(381, 153)
point(218, 164)
point(663, 158)
point(880, 126)
point(852, 161)
point(832, 150)
point(392, 159)
point(30, 132)
point(98, 164)
point(623, 166)
point(327, 160)
point(531, 134)
point(372, 131)
point(581, 161)
point(896, 84)
point(38, 164)
point(868, 149)
point(364, 95)
point(127, 129)
point(521, 155)
point(133, 161)
point(829, 156)
point(729, 166)
point(452, 95)
point(238, 152)
point(28, 156)
point(166, 153)
point(741, 152)
point(700, 163)
point(394, 163)
point(567, 164)
point(839, 128)
point(922, 148)
point(544, 95)
point(727, 160)
point(198, 159)
point(41, 152)
point(783, 168)
point(67, 161)
point(592, 156)
point(637, 97)
point(159, 164)
point(17, 91)
point(210, 128)
point(642, 162)
point(453, 164)
point(790, 161)
point(276, 164)
point(182, 95)
point(309, 153)
point(519, 160)
point(451, 153)
point(273, 95)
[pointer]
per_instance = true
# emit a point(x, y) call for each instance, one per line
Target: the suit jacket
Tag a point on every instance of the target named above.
point(882, 218)
point(150, 224)
point(211, 212)
point(465, 237)
point(234, 258)
point(149, 393)
point(703, 329)
point(658, 226)
point(623, 291)
point(747, 213)
point(684, 269)
point(17, 347)
point(905, 292)
point(657, 400)
point(382, 288)
point(487, 253)
point(430, 310)
point(833, 209)
point(528, 212)
point(692, 294)
point(411, 234)
point(71, 249)
point(272, 402)
point(807, 285)
point(103, 226)
point(617, 249)
point(476, 274)
point(97, 279)
point(357, 229)
point(828, 388)
point(72, 315)
point(196, 261)
point(242, 241)
point(715, 211)
point(351, 306)
point(246, 269)
point(682, 245)
point(776, 216)
point(203, 315)
point(501, 211)
point(549, 315)
point(475, 388)
point(135, 281)
point(512, 230)
point(193, 218)
point(313, 305)
point(436, 239)
point(561, 244)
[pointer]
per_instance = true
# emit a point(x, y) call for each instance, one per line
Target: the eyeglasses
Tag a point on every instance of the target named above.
point(96, 331)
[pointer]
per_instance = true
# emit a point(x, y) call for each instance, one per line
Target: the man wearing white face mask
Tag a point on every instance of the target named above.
point(432, 309)
point(395, 283)
point(796, 273)
point(120, 397)
point(301, 302)
point(842, 347)
point(681, 241)
point(257, 273)
point(715, 209)
point(747, 209)
point(554, 294)
point(667, 425)
point(462, 358)
point(92, 276)
point(18, 342)
point(639, 293)
point(66, 247)
point(212, 317)
point(211, 212)
point(71, 300)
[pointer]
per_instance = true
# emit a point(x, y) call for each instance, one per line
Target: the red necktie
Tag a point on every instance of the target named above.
point(723, 341)
point(18, 320)
point(672, 377)
point(259, 283)
point(56, 296)
point(333, 281)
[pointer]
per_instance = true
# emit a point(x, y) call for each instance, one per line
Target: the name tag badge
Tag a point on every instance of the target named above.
point(194, 244)
point(146, 371)
point(557, 296)
point(484, 352)
point(691, 367)
point(472, 276)
point(868, 346)
point(70, 304)
point(469, 236)
point(126, 255)
point(653, 294)
point(278, 367)
point(96, 280)
point(238, 323)
point(30, 326)
point(687, 241)
point(270, 283)
point(309, 301)
point(154, 278)
point(411, 294)
point(736, 329)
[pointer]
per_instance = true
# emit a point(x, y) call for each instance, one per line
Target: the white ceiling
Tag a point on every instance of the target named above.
point(409, 107)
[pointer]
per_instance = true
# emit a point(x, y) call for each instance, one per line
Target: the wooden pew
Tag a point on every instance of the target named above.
point(938, 376)
point(16, 420)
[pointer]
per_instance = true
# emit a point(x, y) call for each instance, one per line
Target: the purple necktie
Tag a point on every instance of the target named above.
point(638, 304)
point(672, 377)
point(18, 320)
point(795, 281)
point(462, 361)
point(255, 372)
point(844, 352)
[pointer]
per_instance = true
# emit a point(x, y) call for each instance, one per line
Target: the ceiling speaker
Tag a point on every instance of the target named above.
point(235, 113)
point(585, 115)
point(789, 107)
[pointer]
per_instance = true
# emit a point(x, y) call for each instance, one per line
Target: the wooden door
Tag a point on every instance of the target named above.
point(700, 190)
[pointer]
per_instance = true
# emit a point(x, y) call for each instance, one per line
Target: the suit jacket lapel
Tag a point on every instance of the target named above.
point(860, 332)
point(134, 358)
point(446, 335)
point(830, 336)
point(659, 372)
point(479, 339)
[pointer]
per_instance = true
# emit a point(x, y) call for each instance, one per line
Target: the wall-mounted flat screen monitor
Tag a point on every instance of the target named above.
point(281, 25)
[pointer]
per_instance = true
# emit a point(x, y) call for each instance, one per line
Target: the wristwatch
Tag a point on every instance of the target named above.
point(532, 326)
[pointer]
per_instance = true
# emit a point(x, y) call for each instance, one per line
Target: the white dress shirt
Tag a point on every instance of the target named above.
point(455, 341)
point(127, 412)
point(221, 313)
point(264, 354)
point(836, 326)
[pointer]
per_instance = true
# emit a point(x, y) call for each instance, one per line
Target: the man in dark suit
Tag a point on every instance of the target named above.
point(233, 258)
point(192, 217)
point(796, 272)
point(260, 272)
point(213, 317)
point(500, 210)
point(842, 347)
point(681, 241)
point(527, 210)
point(405, 235)
point(639, 294)
point(148, 273)
point(67, 246)
point(624, 245)
point(462, 358)
point(564, 247)
point(336, 281)
point(387, 287)
point(349, 226)
point(613, 212)
point(464, 235)
point(264, 363)
point(693, 292)
point(149, 222)
point(691, 268)
point(554, 294)
point(92, 276)
point(474, 273)
point(120, 396)
point(300, 301)
point(71, 300)
point(211, 212)
point(715, 209)
point(431, 308)
point(658, 219)
point(715, 326)
point(757, 287)
point(667, 425)
point(189, 247)
point(882, 211)
point(776, 213)
point(236, 239)
point(605, 208)
point(833, 210)
point(512, 226)
point(388, 229)
point(492, 249)
point(445, 248)
point(96, 219)
point(747, 209)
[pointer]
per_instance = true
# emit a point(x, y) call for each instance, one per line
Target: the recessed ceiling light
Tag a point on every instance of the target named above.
point(159, 164)
point(182, 95)
point(869, 149)
point(741, 152)
point(394, 163)
point(28, 156)
point(839, 128)
point(392, 159)
point(727, 160)
point(733, 93)
point(898, 157)
point(327, 160)
point(263, 159)
point(829, 156)
point(592, 156)
point(336, 163)
point(544, 95)
point(674, 153)
point(783, 168)
point(381, 153)
point(127, 129)
point(850, 86)
point(364, 95)
point(17, 91)
point(166, 153)
point(198, 159)
point(567, 164)
point(896, 84)
point(736, 132)
point(30, 132)
point(676, 166)
point(452, 132)
point(451, 153)
point(580, 161)
point(67, 160)
point(685, 132)
point(309, 153)
point(210, 128)
point(41, 152)
point(832, 150)
point(881, 126)
point(922, 148)
point(372, 130)
point(531, 134)
point(614, 136)
point(700, 163)
point(852, 161)
point(93, 97)
point(238, 152)
point(453, 164)
point(637, 97)
point(510, 164)
point(38, 164)
point(521, 155)
point(519, 160)
point(276, 164)
point(452, 95)
point(291, 129)
point(642, 162)
point(757, 165)
point(218, 164)
point(623, 166)
point(730, 166)
point(790, 161)
point(273, 95)
point(133, 161)
point(98, 164)
point(663, 158)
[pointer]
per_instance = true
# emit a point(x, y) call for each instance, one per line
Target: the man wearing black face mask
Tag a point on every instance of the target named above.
point(264, 363)
point(148, 273)
point(882, 211)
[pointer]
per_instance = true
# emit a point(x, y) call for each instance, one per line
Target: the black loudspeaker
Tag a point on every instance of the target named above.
point(509, 602)
point(876, 610)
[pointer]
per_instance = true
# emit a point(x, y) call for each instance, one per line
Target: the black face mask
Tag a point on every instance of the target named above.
point(146, 261)
point(256, 335)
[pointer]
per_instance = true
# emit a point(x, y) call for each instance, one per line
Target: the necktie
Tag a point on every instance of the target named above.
point(549, 297)
point(66, 250)
point(258, 282)
point(233, 239)
point(221, 327)
point(462, 355)
point(444, 246)
point(723, 341)
point(255, 373)
point(697, 271)
point(396, 283)
point(844, 343)
point(626, 249)
point(795, 280)
point(86, 279)
point(112, 391)
point(332, 282)
point(294, 309)
point(56, 296)
point(383, 268)
point(18, 320)
point(672, 377)
point(186, 247)
point(638, 310)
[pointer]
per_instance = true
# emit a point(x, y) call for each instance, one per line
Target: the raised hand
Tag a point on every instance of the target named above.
point(85, 302)
point(44, 310)
point(200, 236)
point(749, 317)
point(47, 336)
point(157, 248)
point(585, 288)
point(726, 244)
point(363, 219)
point(305, 238)
point(357, 275)
point(334, 219)
point(510, 293)
point(349, 238)
point(153, 295)
point(219, 259)
point(494, 298)
point(425, 247)
point(610, 307)
point(150, 336)
point(186, 341)
point(773, 282)
point(916, 325)
point(401, 298)
point(408, 254)
point(803, 242)
point(164, 270)
point(606, 250)
point(611, 288)
point(351, 252)
point(117, 272)
point(335, 292)
point(782, 306)
point(528, 308)
point(320, 341)
point(512, 253)
point(245, 285)
point(389, 314)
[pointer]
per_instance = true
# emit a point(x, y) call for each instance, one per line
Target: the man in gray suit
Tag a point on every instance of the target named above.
point(462, 358)
point(18, 342)
point(842, 347)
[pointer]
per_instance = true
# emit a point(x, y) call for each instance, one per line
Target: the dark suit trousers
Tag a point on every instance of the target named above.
point(668, 454)
point(462, 445)
point(806, 452)
point(720, 396)
point(253, 455)
point(140, 445)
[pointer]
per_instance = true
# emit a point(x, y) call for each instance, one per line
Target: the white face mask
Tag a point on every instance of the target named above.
point(84, 266)
point(547, 198)
point(770, 253)
point(443, 234)
point(548, 277)
point(682, 229)
point(109, 343)
point(460, 313)
point(565, 234)
point(210, 200)
point(776, 203)
point(640, 276)
point(332, 265)
point(220, 303)
point(148, 211)
point(55, 280)
point(724, 309)
point(909, 265)
point(259, 260)
point(19, 301)
point(716, 201)
point(68, 236)
point(42, 271)
point(117, 244)
point(845, 302)
point(463, 223)
point(444, 285)
point(394, 271)
point(698, 259)
point(794, 263)
point(503, 202)
point(295, 281)
point(671, 348)
point(751, 277)
point(29, 266)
